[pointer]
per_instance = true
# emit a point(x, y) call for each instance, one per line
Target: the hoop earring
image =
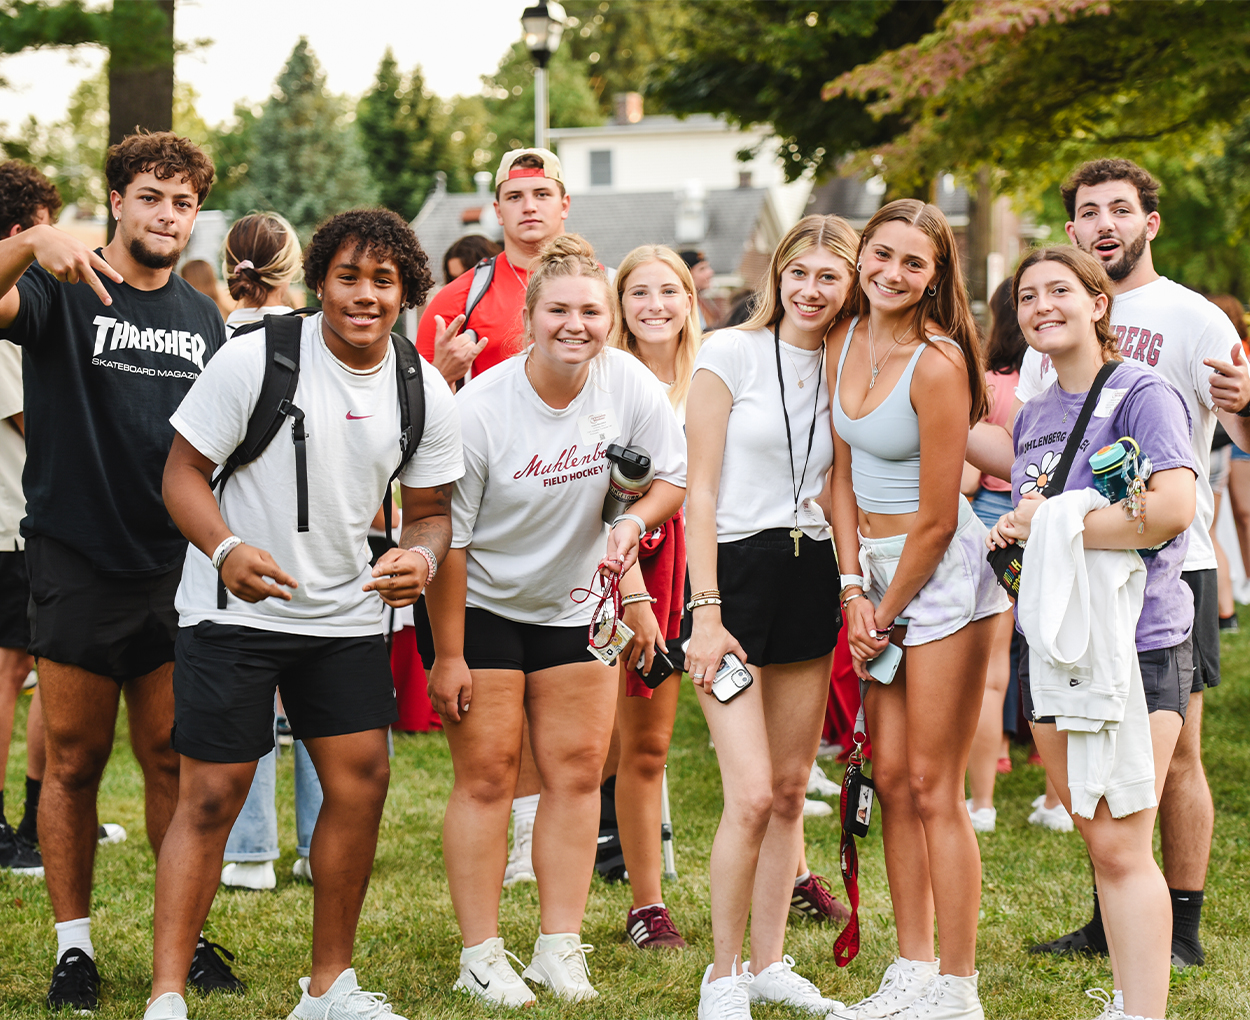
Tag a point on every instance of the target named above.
point(859, 267)
point(931, 290)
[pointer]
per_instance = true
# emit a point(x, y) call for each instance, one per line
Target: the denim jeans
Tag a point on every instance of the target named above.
point(255, 833)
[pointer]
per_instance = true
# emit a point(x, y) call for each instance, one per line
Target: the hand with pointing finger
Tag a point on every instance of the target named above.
point(454, 351)
point(69, 260)
point(1230, 380)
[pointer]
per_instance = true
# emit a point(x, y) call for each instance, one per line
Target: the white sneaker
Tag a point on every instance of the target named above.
point(727, 998)
point(820, 785)
point(249, 875)
point(984, 820)
point(901, 984)
point(343, 1000)
point(1110, 1011)
point(945, 997)
point(1056, 819)
point(302, 870)
point(486, 973)
point(520, 867)
point(561, 966)
point(170, 1006)
point(779, 983)
point(110, 832)
point(816, 808)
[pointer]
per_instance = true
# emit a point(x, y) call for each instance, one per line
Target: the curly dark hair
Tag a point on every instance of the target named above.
point(162, 153)
point(1099, 171)
point(23, 192)
point(377, 232)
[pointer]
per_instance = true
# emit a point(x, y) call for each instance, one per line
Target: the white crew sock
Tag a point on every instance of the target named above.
point(648, 906)
point(524, 807)
point(75, 934)
point(802, 878)
point(545, 942)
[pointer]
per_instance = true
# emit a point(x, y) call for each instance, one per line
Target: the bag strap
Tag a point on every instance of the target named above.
point(410, 380)
point(1060, 476)
point(483, 275)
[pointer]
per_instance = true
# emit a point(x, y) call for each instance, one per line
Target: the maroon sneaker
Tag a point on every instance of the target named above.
point(812, 901)
point(652, 928)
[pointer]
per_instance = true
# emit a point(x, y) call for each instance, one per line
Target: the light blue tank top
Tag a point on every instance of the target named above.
point(885, 442)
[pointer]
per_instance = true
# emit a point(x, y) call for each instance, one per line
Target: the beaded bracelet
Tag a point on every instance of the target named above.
point(638, 596)
point(709, 600)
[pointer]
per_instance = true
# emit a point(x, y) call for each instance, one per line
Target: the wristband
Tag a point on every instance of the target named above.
point(852, 581)
point(1244, 412)
point(708, 600)
point(638, 596)
point(642, 525)
point(430, 558)
point(227, 546)
point(710, 593)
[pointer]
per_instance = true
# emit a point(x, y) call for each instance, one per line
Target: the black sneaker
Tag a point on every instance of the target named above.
point(1078, 943)
point(17, 855)
point(210, 973)
point(75, 983)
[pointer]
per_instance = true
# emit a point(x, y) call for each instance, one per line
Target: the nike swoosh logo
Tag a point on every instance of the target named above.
point(357, 417)
point(483, 984)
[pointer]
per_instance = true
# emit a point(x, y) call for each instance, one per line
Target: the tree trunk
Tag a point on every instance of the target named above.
point(980, 217)
point(141, 70)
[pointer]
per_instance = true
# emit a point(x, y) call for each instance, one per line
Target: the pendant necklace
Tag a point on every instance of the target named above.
point(872, 352)
point(515, 273)
point(801, 378)
point(796, 532)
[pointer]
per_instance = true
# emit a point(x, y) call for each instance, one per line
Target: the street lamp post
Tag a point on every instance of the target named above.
point(544, 25)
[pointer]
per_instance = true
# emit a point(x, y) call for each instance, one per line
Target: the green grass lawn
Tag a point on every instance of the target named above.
point(1036, 886)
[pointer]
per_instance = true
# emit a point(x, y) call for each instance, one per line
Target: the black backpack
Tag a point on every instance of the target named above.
point(274, 406)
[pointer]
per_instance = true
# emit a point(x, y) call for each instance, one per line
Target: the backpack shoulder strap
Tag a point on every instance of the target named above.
point(410, 380)
point(483, 274)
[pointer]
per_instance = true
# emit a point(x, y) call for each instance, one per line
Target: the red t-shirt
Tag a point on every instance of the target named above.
point(496, 317)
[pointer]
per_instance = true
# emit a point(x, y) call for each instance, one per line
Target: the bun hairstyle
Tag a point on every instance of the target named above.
point(948, 305)
point(1091, 275)
point(690, 336)
point(268, 248)
point(566, 255)
point(832, 233)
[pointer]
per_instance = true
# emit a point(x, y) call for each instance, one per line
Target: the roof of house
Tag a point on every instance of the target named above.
point(614, 223)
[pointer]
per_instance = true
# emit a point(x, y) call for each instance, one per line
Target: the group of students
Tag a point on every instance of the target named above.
point(798, 499)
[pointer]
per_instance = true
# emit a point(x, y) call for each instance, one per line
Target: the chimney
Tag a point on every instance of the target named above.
point(440, 182)
point(482, 181)
point(691, 226)
point(628, 107)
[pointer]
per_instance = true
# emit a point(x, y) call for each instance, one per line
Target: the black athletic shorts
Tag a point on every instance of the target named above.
point(1206, 635)
point(225, 676)
point(781, 607)
point(1164, 675)
point(491, 642)
point(118, 627)
point(14, 601)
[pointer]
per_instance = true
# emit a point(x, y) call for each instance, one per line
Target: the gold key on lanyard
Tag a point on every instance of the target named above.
point(796, 534)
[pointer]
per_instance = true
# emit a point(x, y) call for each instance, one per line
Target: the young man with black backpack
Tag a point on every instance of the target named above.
point(277, 591)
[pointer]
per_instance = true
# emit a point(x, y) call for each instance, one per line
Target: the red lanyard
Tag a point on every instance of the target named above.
point(608, 588)
point(846, 947)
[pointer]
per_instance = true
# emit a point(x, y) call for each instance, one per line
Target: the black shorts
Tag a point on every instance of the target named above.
point(1206, 634)
point(14, 601)
point(225, 676)
point(117, 627)
point(781, 607)
point(491, 642)
point(1164, 675)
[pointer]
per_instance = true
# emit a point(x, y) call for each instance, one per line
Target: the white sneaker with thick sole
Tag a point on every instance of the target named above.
point(1056, 818)
point(779, 983)
point(945, 997)
point(170, 1006)
point(486, 974)
point(249, 875)
point(520, 867)
point(901, 984)
point(1110, 1011)
point(820, 785)
point(302, 870)
point(727, 998)
point(816, 808)
point(343, 1000)
point(109, 833)
point(984, 820)
point(559, 963)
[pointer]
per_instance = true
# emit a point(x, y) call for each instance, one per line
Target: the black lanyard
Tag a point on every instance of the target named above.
point(811, 433)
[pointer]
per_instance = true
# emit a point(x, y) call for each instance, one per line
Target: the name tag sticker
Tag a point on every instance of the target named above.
point(598, 426)
point(1108, 401)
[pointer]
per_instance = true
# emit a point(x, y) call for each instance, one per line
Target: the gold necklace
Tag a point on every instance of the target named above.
point(801, 378)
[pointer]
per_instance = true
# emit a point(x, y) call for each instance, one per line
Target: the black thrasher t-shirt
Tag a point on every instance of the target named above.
point(101, 383)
